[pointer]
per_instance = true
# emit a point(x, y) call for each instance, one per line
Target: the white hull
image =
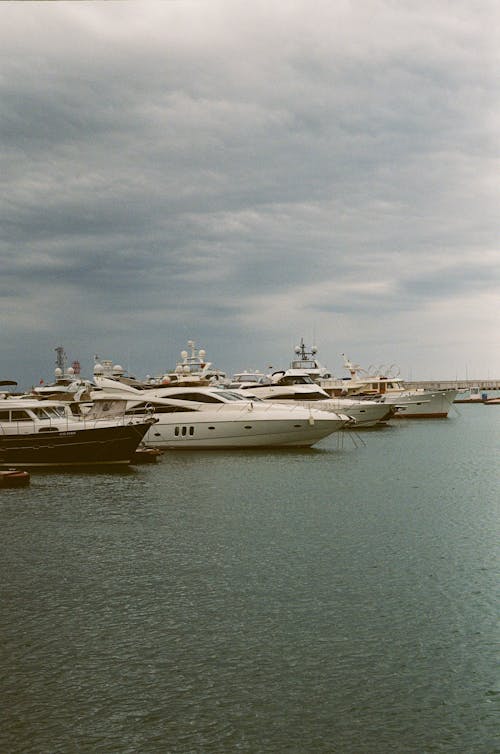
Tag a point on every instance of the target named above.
point(422, 404)
point(250, 432)
point(297, 392)
point(213, 418)
point(365, 413)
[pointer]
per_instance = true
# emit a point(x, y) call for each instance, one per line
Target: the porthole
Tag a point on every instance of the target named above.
point(211, 427)
point(248, 426)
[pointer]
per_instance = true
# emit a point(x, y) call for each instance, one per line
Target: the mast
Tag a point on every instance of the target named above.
point(61, 358)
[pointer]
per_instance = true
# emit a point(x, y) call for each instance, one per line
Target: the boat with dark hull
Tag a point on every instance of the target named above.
point(38, 433)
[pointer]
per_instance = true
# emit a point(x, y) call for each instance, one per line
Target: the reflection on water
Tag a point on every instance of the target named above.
point(338, 599)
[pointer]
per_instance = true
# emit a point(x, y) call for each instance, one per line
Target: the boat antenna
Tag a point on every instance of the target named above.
point(61, 358)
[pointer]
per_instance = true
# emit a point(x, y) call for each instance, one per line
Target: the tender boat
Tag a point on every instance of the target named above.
point(39, 433)
point(209, 417)
point(14, 478)
point(472, 395)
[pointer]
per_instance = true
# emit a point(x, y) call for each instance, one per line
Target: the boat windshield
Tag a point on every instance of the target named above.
point(304, 364)
point(228, 395)
point(252, 377)
point(50, 412)
point(293, 379)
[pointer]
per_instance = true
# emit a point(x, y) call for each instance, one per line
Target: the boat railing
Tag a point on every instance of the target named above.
point(65, 424)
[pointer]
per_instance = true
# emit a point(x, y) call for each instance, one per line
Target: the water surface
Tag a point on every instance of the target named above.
point(339, 599)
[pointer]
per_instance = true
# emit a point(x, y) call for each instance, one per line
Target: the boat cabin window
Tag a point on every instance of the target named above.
point(299, 397)
point(4, 416)
point(145, 408)
point(171, 409)
point(198, 397)
point(20, 416)
point(304, 365)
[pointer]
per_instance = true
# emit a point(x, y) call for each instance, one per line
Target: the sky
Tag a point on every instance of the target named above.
point(247, 174)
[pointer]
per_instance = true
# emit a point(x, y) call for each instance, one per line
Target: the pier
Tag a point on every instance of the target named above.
point(461, 385)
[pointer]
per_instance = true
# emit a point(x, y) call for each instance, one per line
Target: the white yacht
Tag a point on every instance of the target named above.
point(209, 417)
point(305, 360)
point(193, 368)
point(295, 386)
point(387, 387)
point(67, 385)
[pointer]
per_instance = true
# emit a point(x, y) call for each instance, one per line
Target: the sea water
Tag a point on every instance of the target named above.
point(338, 599)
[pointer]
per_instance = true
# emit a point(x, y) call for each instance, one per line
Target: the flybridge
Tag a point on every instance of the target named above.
point(307, 361)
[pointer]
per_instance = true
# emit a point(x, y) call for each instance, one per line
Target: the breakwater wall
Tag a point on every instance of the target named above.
point(461, 385)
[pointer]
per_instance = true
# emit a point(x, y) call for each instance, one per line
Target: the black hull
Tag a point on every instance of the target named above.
point(80, 447)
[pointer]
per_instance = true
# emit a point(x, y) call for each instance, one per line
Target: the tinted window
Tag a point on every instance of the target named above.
point(20, 416)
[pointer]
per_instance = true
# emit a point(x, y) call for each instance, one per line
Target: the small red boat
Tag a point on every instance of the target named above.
point(146, 455)
point(14, 478)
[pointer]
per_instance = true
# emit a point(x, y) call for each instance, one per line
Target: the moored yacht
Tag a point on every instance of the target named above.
point(193, 368)
point(209, 417)
point(389, 388)
point(295, 386)
point(38, 433)
point(305, 361)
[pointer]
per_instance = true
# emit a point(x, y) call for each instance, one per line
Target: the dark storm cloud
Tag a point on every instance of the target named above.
point(247, 174)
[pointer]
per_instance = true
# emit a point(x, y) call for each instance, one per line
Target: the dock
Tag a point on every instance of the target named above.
point(461, 385)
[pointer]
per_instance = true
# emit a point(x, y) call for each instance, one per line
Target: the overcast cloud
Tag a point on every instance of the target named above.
point(247, 174)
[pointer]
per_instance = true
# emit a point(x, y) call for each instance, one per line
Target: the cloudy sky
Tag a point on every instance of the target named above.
point(246, 174)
